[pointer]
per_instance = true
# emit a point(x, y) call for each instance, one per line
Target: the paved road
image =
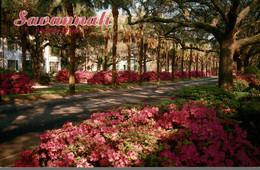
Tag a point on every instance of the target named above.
point(21, 125)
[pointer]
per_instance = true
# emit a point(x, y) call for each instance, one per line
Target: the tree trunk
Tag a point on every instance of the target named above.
point(182, 62)
point(173, 57)
point(167, 57)
point(72, 47)
point(158, 59)
point(141, 53)
point(135, 64)
point(129, 55)
point(115, 32)
point(202, 65)
point(190, 61)
point(106, 53)
point(211, 65)
point(3, 54)
point(145, 49)
point(36, 57)
point(206, 62)
point(98, 64)
point(197, 65)
point(226, 66)
point(246, 61)
point(23, 41)
point(217, 66)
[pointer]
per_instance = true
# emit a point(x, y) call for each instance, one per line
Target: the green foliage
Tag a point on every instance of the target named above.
point(3, 70)
point(212, 94)
point(249, 115)
point(254, 92)
point(258, 76)
point(240, 85)
point(45, 79)
point(251, 70)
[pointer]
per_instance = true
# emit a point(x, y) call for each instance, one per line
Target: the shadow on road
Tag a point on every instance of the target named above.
point(21, 126)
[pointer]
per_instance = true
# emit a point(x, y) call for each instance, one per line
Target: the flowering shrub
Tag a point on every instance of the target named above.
point(211, 73)
point(83, 76)
point(63, 76)
point(200, 73)
point(205, 140)
point(192, 136)
point(128, 77)
point(80, 76)
point(103, 78)
point(251, 70)
point(179, 75)
point(249, 78)
point(12, 83)
point(165, 76)
point(240, 85)
point(213, 95)
point(149, 76)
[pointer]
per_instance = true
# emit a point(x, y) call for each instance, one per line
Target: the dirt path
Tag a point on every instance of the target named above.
point(21, 125)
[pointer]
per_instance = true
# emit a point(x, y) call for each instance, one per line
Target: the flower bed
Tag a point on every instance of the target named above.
point(103, 78)
point(83, 76)
point(165, 76)
point(128, 77)
point(149, 76)
point(80, 76)
point(12, 83)
point(200, 73)
point(179, 75)
point(146, 136)
point(249, 78)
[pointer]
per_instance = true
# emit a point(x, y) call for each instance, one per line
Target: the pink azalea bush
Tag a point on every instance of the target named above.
point(149, 76)
point(128, 77)
point(179, 74)
point(63, 76)
point(83, 76)
point(200, 73)
point(211, 73)
point(251, 79)
point(165, 76)
point(103, 78)
point(146, 136)
point(80, 76)
point(12, 83)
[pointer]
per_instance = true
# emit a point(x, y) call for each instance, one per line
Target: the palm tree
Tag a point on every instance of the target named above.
point(182, 63)
point(190, 62)
point(197, 63)
point(174, 45)
point(145, 56)
point(158, 58)
point(106, 37)
point(141, 52)
point(167, 56)
point(202, 63)
point(115, 5)
point(126, 38)
point(72, 39)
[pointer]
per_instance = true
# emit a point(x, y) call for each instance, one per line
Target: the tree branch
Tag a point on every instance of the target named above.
point(218, 33)
point(220, 9)
point(195, 48)
point(246, 10)
point(185, 11)
point(248, 40)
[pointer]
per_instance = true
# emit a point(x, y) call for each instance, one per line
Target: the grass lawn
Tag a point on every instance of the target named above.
point(59, 92)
